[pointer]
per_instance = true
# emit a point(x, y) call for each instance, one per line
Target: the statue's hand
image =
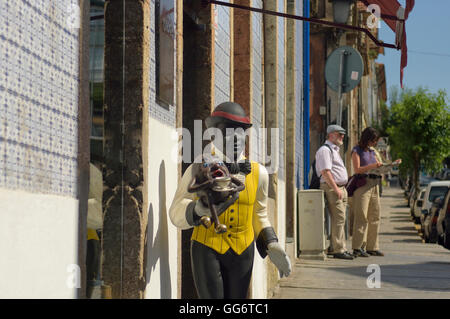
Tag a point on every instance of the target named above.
point(202, 210)
point(279, 258)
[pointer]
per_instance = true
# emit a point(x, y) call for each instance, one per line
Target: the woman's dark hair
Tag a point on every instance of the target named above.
point(368, 135)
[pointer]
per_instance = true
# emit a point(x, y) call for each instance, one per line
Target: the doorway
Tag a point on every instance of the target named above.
point(96, 139)
point(197, 100)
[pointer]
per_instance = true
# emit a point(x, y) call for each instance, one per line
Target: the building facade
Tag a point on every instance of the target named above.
point(361, 106)
point(115, 82)
point(43, 99)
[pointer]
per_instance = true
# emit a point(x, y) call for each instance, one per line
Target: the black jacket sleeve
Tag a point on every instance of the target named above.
point(265, 237)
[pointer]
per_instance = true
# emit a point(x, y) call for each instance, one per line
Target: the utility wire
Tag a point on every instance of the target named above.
point(429, 53)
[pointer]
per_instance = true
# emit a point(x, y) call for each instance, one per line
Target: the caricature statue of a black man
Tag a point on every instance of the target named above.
point(222, 262)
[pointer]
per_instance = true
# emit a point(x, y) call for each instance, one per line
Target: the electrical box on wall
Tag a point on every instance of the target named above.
point(311, 224)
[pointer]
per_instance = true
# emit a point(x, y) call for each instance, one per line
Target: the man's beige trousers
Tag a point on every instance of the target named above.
point(366, 215)
point(337, 209)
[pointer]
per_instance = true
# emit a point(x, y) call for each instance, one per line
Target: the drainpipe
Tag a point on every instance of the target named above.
point(306, 47)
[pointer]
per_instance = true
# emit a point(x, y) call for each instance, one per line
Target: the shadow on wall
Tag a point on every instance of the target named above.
point(157, 247)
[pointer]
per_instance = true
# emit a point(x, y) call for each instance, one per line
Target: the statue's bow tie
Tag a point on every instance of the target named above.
point(244, 167)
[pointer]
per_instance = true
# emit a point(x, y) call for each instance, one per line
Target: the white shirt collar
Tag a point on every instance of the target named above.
point(336, 147)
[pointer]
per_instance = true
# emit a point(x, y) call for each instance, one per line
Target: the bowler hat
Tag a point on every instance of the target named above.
point(228, 112)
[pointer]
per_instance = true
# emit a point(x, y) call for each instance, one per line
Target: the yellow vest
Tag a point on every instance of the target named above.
point(238, 218)
point(92, 234)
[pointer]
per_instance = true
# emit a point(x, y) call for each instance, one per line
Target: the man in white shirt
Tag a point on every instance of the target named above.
point(333, 179)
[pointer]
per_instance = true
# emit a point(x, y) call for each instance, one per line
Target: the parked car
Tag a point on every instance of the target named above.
point(443, 223)
point(444, 174)
point(417, 206)
point(433, 191)
point(394, 171)
point(430, 233)
point(407, 185)
point(423, 183)
point(413, 196)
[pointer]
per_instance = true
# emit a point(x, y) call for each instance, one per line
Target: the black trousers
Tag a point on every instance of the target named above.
point(92, 264)
point(92, 259)
point(219, 276)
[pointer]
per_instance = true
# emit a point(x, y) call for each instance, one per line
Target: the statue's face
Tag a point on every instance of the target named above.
point(233, 139)
point(212, 170)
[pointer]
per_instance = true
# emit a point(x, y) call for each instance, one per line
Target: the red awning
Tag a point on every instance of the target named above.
point(395, 16)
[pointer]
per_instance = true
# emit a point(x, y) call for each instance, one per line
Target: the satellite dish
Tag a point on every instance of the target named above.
point(352, 69)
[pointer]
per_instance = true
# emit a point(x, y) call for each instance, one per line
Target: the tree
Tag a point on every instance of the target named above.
point(419, 130)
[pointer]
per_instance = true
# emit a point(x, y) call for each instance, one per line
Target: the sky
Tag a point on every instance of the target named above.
point(428, 39)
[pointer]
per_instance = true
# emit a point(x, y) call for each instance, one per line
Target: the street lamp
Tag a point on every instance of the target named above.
point(341, 10)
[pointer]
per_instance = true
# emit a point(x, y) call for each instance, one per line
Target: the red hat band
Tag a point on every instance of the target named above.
point(241, 119)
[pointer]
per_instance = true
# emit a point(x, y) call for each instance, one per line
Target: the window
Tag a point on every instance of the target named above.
point(96, 66)
point(165, 51)
point(436, 192)
point(95, 209)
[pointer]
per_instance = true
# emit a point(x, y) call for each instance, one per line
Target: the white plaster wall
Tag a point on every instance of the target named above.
point(162, 243)
point(38, 242)
point(259, 277)
point(281, 212)
point(259, 288)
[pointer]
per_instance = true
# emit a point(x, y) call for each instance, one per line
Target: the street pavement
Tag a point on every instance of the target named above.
point(409, 269)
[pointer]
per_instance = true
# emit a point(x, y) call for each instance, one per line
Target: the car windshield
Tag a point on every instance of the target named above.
point(436, 192)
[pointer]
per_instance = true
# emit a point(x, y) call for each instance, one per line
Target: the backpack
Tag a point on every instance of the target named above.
point(315, 179)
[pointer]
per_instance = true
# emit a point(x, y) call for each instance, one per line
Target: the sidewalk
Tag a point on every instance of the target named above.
point(409, 269)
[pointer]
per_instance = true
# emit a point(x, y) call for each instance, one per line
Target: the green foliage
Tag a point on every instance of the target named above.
point(419, 129)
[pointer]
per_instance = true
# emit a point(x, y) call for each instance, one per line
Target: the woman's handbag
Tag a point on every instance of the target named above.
point(355, 182)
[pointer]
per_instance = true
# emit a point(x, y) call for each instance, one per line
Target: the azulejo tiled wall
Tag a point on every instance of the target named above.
point(281, 91)
point(222, 54)
point(257, 78)
point(39, 76)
